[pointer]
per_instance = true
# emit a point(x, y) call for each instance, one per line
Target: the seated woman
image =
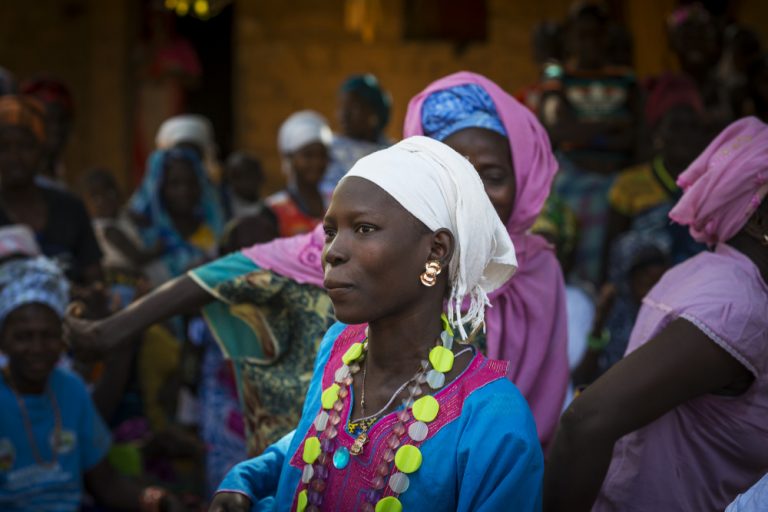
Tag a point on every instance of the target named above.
point(303, 141)
point(439, 425)
point(52, 439)
point(679, 423)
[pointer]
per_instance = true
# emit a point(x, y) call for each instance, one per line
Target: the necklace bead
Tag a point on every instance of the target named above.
point(418, 431)
point(341, 458)
point(320, 454)
point(321, 421)
point(399, 483)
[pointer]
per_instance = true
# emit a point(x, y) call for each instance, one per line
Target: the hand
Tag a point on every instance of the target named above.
point(230, 502)
point(85, 337)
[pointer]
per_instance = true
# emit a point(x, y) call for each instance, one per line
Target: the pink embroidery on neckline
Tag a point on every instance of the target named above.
point(347, 493)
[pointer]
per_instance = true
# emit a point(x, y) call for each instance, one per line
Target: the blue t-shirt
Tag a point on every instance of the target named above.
point(24, 484)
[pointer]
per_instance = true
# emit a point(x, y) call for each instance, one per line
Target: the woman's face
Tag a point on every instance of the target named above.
point(20, 156)
point(374, 252)
point(309, 163)
point(489, 153)
point(180, 189)
point(32, 340)
point(357, 119)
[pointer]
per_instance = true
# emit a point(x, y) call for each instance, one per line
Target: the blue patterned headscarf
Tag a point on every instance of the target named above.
point(147, 202)
point(447, 111)
point(32, 281)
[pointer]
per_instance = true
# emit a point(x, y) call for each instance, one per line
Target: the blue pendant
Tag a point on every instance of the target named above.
point(340, 458)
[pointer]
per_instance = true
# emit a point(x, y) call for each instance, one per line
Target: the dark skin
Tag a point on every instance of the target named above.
point(680, 136)
point(642, 279)
point(181, 195)
point(103, 201)
point(31, 338)
point(678, 365)
point(357, 118)
point(244, 176)
point(489, 153)
point(58, 125)
point(308, 165)
point(21, 155)
point(374, 253)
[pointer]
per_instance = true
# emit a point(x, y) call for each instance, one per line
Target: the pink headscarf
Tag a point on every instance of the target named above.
point(526, 324)
point(298, 257)
point(724, 186)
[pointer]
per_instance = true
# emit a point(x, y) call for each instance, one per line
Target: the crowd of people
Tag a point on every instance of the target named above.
point(557, 297)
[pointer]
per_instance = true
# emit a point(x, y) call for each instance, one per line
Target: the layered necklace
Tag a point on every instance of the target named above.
point(323, 452)
point(28, 424)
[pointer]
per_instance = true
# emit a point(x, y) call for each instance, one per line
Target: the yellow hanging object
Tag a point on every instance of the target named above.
point(311, 450)
point(302, 501)
point(441, 359)
point(446, 324)
point(353, 353)
point(408, 458)
point(329, 396)
point(426, 408)
point(389, 504)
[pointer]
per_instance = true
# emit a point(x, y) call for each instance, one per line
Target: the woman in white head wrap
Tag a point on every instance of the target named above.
point(397, 415)
point(303, 141)
point(192, 131)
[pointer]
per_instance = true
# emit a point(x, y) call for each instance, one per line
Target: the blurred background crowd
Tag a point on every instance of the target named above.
point(162, 135)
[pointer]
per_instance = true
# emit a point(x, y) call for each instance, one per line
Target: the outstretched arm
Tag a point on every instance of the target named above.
point(175, 297)
point(679, 364)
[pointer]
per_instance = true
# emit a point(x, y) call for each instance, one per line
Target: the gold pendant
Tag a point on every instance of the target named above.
point(357, 446)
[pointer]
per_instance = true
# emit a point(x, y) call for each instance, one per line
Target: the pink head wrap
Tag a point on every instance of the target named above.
point(535, 165)
point(526, 324)
point(724, 186)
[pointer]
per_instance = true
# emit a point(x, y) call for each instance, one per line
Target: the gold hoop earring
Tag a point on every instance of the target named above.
point(432, 270)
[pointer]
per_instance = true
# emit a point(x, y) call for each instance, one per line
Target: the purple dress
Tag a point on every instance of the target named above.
point(702, 453)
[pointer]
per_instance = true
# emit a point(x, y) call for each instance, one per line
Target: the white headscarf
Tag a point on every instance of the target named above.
point(192, 128)
point(302, 128)
point(440, 187)
point(195, 129)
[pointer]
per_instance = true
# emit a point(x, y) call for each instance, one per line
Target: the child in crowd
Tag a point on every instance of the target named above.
point(125, 258)
point(304, 140)
point(591, 109)
point(251, 222)
point(642, 196)
point(637, 262)
point(52, 439)
point(243, 179)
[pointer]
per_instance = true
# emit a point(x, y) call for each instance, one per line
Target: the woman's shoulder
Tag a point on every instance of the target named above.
point(713, 274)
point(500, 400)
point(723, 295)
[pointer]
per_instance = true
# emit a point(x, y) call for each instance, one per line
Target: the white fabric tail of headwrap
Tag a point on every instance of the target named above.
point(440, 187)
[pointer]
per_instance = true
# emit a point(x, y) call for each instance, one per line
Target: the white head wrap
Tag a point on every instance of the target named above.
point(192, 128)
point(302, 128)
point(187, 128)
point(440, 187)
